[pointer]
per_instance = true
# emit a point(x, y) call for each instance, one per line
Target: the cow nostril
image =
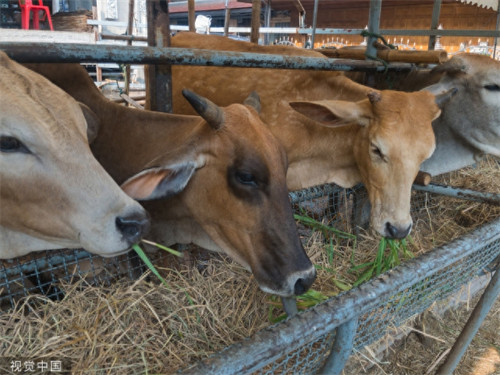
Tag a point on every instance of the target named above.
point(391, 230)
point(132, 227)
point(304, 283)
point(299, 287)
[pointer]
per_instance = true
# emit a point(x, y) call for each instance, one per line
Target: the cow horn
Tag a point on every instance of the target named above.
point(443, 98)
point(374, 97)
point(209, 111)
point(253, 100)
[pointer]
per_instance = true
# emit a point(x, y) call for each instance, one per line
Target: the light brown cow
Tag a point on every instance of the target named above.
point(380, 137)
point(223, 176)
point(469, 126)
point(53, 192)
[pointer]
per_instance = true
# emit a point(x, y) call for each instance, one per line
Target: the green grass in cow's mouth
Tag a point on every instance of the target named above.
point(388, 255)
point(148, 263)
point(384, 260)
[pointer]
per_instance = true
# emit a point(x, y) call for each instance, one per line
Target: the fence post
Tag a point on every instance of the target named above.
point(159, 80)
point(434, 23)
point(472, 326)
point(341, 349)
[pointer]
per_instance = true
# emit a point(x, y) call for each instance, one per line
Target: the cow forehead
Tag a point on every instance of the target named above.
point(404, 119)
point(53, 112)
point(251, 136)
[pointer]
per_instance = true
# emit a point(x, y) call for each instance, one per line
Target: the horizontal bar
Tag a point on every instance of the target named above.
point(92, 53)
point(327, 31)
point(273, 342)
point(466, 194)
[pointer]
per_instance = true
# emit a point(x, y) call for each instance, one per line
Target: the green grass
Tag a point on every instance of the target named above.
point(387, 257)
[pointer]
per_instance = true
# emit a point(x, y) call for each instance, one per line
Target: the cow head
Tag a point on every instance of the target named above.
point(233, 175)
point(473, 115)
point(392, 141)
point(53, 192)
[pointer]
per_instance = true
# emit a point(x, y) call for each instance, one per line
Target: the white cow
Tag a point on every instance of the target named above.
point(53, 192)
point(469, 125)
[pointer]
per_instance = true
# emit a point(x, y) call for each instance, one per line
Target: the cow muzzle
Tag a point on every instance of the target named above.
point(133, 227)
point(295, 284)
point(396, 232)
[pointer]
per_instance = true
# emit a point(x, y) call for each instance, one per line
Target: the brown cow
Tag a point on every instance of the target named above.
point(223, 177)
point(53, 192)
point(380, 138)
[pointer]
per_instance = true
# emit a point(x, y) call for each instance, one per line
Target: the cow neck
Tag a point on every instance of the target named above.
point(314, 152)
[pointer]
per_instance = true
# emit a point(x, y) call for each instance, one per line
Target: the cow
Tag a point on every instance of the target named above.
point(469, 125)
point(53, 192)
point(379, 138)
point(217, 179)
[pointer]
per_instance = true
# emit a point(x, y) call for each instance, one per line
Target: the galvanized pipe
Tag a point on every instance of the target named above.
point(315, 22)
point(471, 195)
point(496, 29)
point(373, 26)
point(80, 53)
point(341, 349)
point(434, 23)
point(480, 312)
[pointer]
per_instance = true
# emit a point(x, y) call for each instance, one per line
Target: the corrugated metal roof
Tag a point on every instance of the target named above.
point(492, 4)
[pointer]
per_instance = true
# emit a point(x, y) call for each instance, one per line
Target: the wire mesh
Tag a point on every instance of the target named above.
point(345, 209)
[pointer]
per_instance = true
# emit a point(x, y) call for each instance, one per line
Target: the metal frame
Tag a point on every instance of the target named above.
point(342, 313)
point(270, 344)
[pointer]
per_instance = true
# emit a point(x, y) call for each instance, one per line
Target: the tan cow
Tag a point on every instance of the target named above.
point(379, 138)
point(469, 126)
point(53, 192)
point(222, 174)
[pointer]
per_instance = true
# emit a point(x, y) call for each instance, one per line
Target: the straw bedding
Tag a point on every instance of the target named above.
point(142, 326)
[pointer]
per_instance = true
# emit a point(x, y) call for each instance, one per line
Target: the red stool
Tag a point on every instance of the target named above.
point(26, 7)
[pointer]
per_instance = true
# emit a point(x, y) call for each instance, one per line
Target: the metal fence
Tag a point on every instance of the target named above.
point(303, 343)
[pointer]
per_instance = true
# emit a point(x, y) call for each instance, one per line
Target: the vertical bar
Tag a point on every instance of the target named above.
point(434, 23)
point(496, 28)
point(227, 18)
point(341, 349)
point(256, 6)
point(472, 326)
point(159, 80)
point(373, 25)
point(267, 22)
point(191, 15)
point(315, 21)
point(130, 25)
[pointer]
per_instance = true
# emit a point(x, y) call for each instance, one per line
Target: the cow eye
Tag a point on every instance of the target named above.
point(492, 87)
point(376, 151)
point(11, 144)
point(246, 178)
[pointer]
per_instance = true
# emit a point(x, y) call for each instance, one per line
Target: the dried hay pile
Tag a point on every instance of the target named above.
point(143, 327)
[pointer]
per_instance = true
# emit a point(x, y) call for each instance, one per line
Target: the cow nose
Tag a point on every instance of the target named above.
point(133, 227)
point(304, 283)
point(393, 232)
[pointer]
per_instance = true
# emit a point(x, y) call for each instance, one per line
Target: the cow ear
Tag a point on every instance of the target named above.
point(332, 113)
point(92, 122)
point(155, 183)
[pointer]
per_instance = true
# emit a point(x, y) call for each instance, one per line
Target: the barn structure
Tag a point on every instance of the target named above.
point(322, 338)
